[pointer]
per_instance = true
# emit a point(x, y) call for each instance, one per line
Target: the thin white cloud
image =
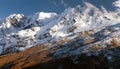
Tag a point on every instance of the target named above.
point(54, 3)
point(63, 2)
point(117, 3)
point(100, 14)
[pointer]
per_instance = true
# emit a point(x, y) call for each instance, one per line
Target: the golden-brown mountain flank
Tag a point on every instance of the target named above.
point(37, 58)
point(24, 59)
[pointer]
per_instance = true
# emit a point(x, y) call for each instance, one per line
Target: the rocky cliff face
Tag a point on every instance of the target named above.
point(79, 36)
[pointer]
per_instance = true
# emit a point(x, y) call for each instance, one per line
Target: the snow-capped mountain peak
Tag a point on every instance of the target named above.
point(14, 19)
point(17, 16)
point(43, 15)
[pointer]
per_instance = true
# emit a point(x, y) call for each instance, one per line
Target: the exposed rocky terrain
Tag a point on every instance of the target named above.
point(90, 52)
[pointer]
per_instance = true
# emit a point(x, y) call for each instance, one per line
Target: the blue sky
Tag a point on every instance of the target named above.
point(29, 7)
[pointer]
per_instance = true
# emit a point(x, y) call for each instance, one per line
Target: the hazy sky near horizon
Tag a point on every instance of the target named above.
point(29, 7)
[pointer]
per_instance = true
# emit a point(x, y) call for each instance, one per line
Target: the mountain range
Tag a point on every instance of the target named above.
point(78, 33)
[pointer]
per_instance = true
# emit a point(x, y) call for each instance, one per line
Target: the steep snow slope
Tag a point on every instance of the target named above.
point(18, 24)
point(19, 32)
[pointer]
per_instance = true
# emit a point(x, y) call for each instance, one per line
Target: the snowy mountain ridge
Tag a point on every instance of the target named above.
point(19, 32)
